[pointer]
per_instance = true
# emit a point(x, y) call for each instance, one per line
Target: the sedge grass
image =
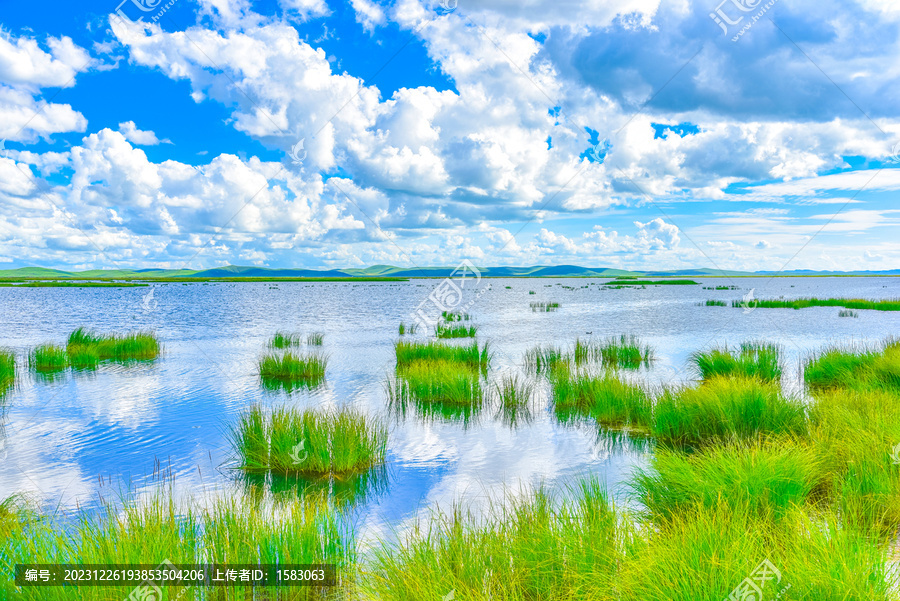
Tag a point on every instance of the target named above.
point(714, 303)
point(7, 370)
point(438, 381)
point(765, 477)
point(405, 329)
point(48, 358)
point(83, 356)
point(132, 346)
point(605, 398)
point(624, 351)
point(726, 407)
point(447, 330)
point(848, 313)
point(452, 316)
point(283, 340)
point(855, 369)
point(292, 369)
point(288, 441)
point(315, 339)
point(751, 360)
point(544, 359)
point(471, 355)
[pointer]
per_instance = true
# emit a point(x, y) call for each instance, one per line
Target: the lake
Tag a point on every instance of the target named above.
point(83, 438)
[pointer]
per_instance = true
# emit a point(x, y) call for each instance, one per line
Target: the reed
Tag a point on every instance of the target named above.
point(892, 304)
point(726, 407)
point(303, 369)
point(751, 360)
point(289, 441)
point(48, 358)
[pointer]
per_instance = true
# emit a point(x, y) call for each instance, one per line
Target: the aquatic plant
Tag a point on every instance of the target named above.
point(764, 477)
point(407, 329)
point(445, 330)
point(305, 369)
point(726, 406)
point(715, 303)
point(282, 340)
point(625, 351)
point(889, 304)
point(544, 307)
point(473, 355)
point(625, 282)
point(855, 368)
point(315, 339)
point(603, 397)
point(83, 356)
point(514, 392)
point(7, 370)
point(133, 346)
point(437, 381)
point(308, 442)
point(48, 358)
point(542, 359)
point(751, 360)
point(451, 316)
point(847, 313)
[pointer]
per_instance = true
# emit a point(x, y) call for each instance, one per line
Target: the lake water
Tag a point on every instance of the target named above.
point(75, 440)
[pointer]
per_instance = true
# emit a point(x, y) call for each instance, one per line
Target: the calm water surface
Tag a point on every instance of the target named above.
point(82, 438)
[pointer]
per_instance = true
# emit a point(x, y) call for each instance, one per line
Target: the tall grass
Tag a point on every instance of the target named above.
point(308, 442)
point(751, 360)
point(48, 358)
point(475, 356)
point(532, 548)
point(132, 346)
point(438, 381)
point(514, 392)
point(856, 369)
point(766, 478)
point(892, 304)
point(605, 398)
point(83, 356)
point(315, 339)
point(726, 407)
point(447, 330)
point(290, 369)
point(625, 351)
point(543, 359)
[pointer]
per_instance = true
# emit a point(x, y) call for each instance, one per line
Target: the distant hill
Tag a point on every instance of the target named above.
point(381, 271)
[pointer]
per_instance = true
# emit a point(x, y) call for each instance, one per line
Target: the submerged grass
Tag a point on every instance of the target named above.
point(751, 360)
point(304, 369)
point(308, 442)
point(892, 304)
point(726, 407)
point(48, 358)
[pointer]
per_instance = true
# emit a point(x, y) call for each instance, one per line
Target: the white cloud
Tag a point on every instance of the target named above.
point(138, 136)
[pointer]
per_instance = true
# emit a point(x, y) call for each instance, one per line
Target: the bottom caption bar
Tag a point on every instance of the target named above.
point(170, 574)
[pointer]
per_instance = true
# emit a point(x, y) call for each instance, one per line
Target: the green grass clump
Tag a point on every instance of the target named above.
point(856, 369)
point(892, 304)
point(83, 357)
point(304, 369)
point(624, 351)
point(308, 442)
point(605, 398)
point(284, 340)
point(514, 392)
point(530, 549)
point(544, 359)
point(437, 381)
point(765, 477)
point(847, 313)
point(451, 316)
point(475, 356)
point(48, 358)
point(544, 307)
point(315, 339)
point(635, 282)
point(407, 329)
point(133, 346)
point(7, 370)
point(446, 330)
point(752, 360)
point(726, 407)
point(715, 303)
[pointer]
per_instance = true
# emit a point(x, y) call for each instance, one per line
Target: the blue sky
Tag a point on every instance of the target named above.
point(634, 134)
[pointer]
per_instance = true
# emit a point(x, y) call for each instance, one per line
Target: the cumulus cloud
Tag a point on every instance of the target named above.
point(139, 136)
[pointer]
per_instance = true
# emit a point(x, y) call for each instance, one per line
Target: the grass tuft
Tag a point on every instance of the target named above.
point(290, 369)
point(7, 370)
point(544, 307)
point(751, 360)
point(892, 304)
point(133, 346)
point(847, 313)
point(438, 381)
point(315, 339)
point(605, 398)
point(856, 369)
point(48, 358)
point(475, 356)
point(283, 340)
point(544, 359)
point(446, 330)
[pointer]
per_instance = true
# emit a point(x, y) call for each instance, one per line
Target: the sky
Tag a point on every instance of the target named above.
point(635, 134)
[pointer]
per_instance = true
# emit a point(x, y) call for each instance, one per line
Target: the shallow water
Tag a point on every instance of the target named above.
point(86, 437)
